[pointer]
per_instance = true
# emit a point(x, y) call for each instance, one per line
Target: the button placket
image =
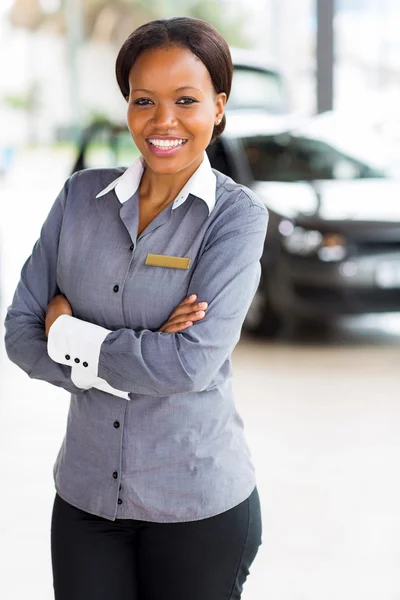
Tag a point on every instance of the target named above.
point(117, 473)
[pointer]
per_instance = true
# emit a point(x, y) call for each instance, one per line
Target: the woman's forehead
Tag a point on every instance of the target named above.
point(169, 68)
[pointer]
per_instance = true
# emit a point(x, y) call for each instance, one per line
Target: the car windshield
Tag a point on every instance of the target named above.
point(256, 89)
point(109, 146)
point(288, 158)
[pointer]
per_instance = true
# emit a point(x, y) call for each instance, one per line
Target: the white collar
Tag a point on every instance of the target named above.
point(201, 184)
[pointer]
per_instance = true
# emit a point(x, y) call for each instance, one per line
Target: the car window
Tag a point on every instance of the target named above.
point(288, 158)
point(108, 148)
point(219, 158)
point(256, 89)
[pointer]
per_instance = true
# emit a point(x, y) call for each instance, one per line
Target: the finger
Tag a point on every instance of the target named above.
point(193, 315)
point(188, 316)
point(179, 321)
point(183, 305)
point(182, 320)
point(188, 309)
point(175, 327)
point(188, 300)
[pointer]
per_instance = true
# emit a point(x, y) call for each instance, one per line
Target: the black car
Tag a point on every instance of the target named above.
point(333, 241)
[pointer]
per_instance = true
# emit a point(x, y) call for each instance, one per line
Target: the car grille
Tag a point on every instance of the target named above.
point(372, 246)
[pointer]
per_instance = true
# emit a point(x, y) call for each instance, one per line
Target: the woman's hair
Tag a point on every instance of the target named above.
point(201, 38)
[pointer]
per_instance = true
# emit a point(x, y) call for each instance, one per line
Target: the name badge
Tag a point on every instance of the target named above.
point(162, 260)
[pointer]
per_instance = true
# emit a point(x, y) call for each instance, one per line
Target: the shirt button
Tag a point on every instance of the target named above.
point(116, 288)
point(119, 501)
point(85, 364)
point(131, 247)
point(77, 360)
point(116, 424)
point(115, 474)
point(67, 357)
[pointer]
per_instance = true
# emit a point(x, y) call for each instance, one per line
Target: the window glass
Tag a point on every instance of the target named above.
point(256, 89)
point(288, 158)
point(107, 148)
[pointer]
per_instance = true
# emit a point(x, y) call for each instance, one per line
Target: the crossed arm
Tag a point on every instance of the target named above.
point(186, 313)
point(145, 362)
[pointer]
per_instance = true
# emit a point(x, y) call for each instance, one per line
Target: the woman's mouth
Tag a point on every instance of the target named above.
point(165, 147)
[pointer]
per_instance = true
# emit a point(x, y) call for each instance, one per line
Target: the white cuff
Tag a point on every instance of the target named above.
point(77, 344)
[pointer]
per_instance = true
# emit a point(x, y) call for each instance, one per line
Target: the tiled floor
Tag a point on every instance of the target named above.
point(323, 422)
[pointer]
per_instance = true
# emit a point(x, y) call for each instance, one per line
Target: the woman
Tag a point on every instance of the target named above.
point(141, 279)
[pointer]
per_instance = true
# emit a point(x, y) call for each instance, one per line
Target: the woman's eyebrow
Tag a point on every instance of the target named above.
point(187, 87)
point(141, 90)
point(180, 89)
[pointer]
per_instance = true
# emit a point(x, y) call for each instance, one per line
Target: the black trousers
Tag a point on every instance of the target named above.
point(97, 559)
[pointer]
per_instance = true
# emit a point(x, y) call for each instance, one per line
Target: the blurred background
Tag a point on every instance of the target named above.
point(314, 129)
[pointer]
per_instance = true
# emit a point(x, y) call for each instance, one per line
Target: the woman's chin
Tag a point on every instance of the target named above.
point(167, 165)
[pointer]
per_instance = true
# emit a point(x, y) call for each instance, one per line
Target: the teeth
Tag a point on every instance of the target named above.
point(166, 143)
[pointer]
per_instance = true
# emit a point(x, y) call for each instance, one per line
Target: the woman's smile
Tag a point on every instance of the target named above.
point(172, 110)
point(166, 146)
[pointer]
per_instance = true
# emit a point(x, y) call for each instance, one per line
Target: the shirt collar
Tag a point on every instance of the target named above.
point(202, 184)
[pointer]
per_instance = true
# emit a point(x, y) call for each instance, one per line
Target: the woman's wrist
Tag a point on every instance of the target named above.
point(58, 306)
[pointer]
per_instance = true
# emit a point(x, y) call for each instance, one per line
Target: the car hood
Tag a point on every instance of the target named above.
point(359, 200)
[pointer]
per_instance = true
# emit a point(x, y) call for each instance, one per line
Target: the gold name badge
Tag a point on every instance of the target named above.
point(162, 260)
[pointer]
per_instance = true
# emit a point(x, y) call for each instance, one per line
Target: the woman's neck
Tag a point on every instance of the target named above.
point(159, 189)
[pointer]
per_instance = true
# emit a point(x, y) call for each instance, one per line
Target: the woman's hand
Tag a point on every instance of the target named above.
point(185, 314)
point(55, 308)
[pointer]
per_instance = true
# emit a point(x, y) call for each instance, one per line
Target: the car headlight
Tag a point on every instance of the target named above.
point(328, 247)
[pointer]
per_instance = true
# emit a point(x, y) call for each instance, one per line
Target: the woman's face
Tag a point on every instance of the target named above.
point(172, 109)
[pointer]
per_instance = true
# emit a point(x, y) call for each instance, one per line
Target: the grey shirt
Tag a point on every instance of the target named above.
point(167, 444)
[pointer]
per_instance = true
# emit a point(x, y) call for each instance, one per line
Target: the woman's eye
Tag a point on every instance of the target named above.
point(143, 101)
point(186, 100)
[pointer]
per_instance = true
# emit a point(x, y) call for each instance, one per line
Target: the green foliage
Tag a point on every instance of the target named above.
point(229, 24)
point(98, 117)
point(219, 13)
point(27, 102)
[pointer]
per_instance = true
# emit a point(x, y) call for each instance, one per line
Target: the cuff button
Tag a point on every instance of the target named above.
point(85, 364)
point(67, 357)
point(77, 360)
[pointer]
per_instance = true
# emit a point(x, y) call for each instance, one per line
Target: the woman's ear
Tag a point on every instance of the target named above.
point(220, 102)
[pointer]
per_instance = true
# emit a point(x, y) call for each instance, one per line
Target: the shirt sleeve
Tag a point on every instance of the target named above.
point(25, 338)
point(147, 362)
point(77, 343)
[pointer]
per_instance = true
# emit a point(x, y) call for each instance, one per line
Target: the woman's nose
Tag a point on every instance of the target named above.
point(164, 116)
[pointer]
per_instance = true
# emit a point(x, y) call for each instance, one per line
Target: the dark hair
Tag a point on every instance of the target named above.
point(201, 38)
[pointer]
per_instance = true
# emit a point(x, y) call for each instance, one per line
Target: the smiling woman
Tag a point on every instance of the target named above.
point(176, 79)
point(141, 281)
point(177, 116)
